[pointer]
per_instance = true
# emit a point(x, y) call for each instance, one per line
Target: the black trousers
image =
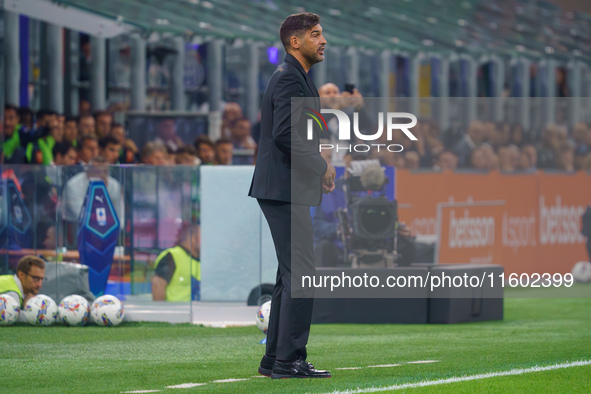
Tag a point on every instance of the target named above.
point(289, 324)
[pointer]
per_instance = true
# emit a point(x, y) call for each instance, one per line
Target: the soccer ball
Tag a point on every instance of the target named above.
point(263, 314)
point(9, 310)
point(107, 310)
point(41, 310)
point(582, 271)
point(74, 310)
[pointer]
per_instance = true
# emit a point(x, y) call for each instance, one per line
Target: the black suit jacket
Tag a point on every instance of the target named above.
point(289, 167)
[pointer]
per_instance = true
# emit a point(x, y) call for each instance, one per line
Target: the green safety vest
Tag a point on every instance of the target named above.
point(187, 268)
point(12, 143)
point(45, 145)
point(7, 284)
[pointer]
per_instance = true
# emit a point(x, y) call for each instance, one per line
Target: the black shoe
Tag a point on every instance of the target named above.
point(266, 366)
point(297, 369)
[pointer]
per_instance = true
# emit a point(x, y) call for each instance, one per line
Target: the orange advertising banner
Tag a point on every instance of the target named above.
point(536, 229)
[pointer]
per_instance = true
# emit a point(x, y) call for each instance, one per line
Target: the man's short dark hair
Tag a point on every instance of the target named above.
point(297, 25)
point(222, 141)
point(83, 116)
point(25, 264)
point(202, 139)
point(11, 107)
point(101, 113)
point(71, 119)
point(108, 140)
point(62, 148)
point(82, 140)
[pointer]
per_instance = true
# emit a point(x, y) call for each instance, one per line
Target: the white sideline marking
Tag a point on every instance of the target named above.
point(227, 380)
point(350, 368)
point(383, 366)
point(259, 376)
point(423, 362)
point(467, 378)
point(185, 385)
point(142, 391)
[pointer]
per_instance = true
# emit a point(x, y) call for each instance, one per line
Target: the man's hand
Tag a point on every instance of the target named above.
point(328, 188)
point(329, 175)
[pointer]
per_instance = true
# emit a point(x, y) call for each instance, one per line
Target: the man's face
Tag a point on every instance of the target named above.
point(69, 159)
point(86, 126)
point(312, 44)
point(224, 153)
point(241, 129)
point(166, 130)
point(111, 152)
point(54, 129)
point(328, 95)
point(11, 119)
point(206, 153)
point(103, 125)
point(32, 281)
point(89, 151)
point(70, 131)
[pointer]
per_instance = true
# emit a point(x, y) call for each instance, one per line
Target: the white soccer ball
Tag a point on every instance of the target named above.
point(9, 310)
point(582, 271)
point(107, 310)
point(74, 310)
point(263, 315)
point(41, 310)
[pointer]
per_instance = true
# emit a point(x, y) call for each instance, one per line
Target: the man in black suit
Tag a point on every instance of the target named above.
point(289, 177)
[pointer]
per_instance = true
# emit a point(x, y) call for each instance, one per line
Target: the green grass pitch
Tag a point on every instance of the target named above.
point(152, 356)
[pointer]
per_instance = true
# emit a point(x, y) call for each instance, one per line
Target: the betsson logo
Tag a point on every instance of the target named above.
point(560, 224)
point(470, 231)
point(344, 133)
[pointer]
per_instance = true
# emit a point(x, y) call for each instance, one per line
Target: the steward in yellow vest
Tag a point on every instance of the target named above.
point(177, 275)
point(27, 281)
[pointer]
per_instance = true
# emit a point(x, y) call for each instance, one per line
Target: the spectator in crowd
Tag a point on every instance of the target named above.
point(223, 151)
point(154, 154)
point(27, 117)
point(15, 137)
point(26, 283)
point(177, 270)
point(492, 159)
point(205, 149)
point(232, 112)
point(103, 121)
point(581, 155)
point(88, 149)
point(517, 136)
point(39, 151)
point(473, 137)
point(525, 162)
point(581, 135)
point(547, 147)
point(64, 154)
point(75, 189)
point(446, 161)
point(508, 158)
point(478, 159)
point(44, 117)
point(71, 131)
point(240, 134)
point(565, 157)
point(398, 160)
point(186, 155)
point(167, 135)
point(532, 153)
point(109, 148)
point(86, 125)
point(128, 152)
